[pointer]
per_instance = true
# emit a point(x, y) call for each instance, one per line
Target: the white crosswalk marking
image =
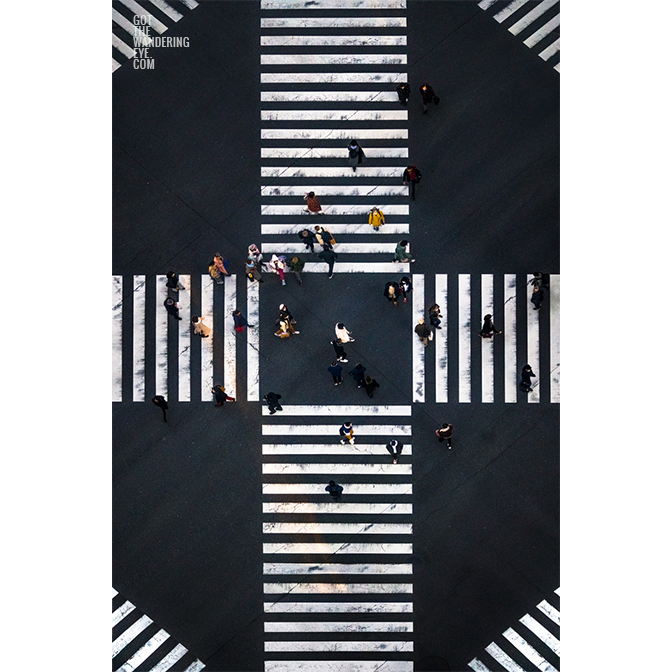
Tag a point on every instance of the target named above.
point(340, 248)
point(333, 78)
point(550, 50)
point(338, 626)
point(184, 342)
point(329, 96)
point(341, 409)
point(352, 488)
point(333, 59)
point(124, 23)
point(337, 528)
point(117, 304)
point(551, 641)
point(320, 468)
point(550, 611)
point(338, 646)
point(352, 229)
point(336, 507)
point(332, 430)
point(139, 337)
point(532, 343)
point(253, 342)
point(119, 44)
point(151, 20)
point(334, 134)
point(332, 4)
point(531, 16)
point(336, 22)
point(487, 344)
point(464, 337)
point(294, 171)
point(337, 548)
point(540, 34)
point(418, 348)
point(329, 449)
point(510, 365)
point(338, 190)
point(336, 607)
point(161, 340)
point(528, 651)
point(144, 652)
point(230, 381)
point(340, 588)
point(330, 153)
point(333, 40)
point(167, 9)
point(130, 633)
point(124, 609)
point(509, 10)
point(171, 658)
point(207, 344)
point(334, 115)
point(441, 340)
point(554, 309)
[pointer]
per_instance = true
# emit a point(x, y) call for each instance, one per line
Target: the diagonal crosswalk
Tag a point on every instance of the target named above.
point(138, 643)
point(531, 644)
point(337, 573)
point(536, 22)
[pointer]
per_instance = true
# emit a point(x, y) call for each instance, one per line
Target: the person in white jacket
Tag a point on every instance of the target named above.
point(343, 334)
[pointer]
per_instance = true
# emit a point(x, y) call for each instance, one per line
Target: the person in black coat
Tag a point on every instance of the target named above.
point(428, 95)
point(489, 329)
point(434, 314)
point(392, 292)
point(172, 308)
point(336, 371)
point(329, 257)
point(412, 175)
point(526, 376)
point(307, 237)
point(403, 91)
point(537, 297)
point(339, 350)
point(272, 400)
point(394, 448)
point(358, 374)
point(541, 280)
point(220, 395)
point(355, 155)
point(423, 331)
point(335, 490)
point(161, 402)
point(370, 384)
point(405, 287)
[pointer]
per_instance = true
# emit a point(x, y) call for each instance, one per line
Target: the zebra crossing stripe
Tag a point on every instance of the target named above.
point(333, 59)
point(119, 44)
point(557, 67)
point(510, 367)
point(338, 190)
point(357, 267)
point(331, 153)
point(349, 488)
point(503, 658)
point(310, 568)
point(550, 50)
point(124, 23)
point(253, 342)
point(337, 607)
point(207, 344)
point(464, 337)
point(115, 65)
point(329, 96)
point(528, 651)
point(323, 548)
point(161, 340)
point(337, 528)
point(332, 430)
point(334, 133)
point(333, 40)
point(191, 4)
point(328, 171)
point(197, 665)
point(338, 626)
point(336, 508)
point(167, 9)
point(332, 4)
point(441, 341)
point(184, 342)
point(342, 588)
point(117, 304)
point(144, 651)
point(338, 210)
point(336, 22)
point(531, 16)
point(351, 229)
point(476, 664)
point(418, 348)
point(340, 248)
point(509, 10)
point(114, 593)
point(554, 300)
point(153, 22)
point(306, 646)
point(334, 115)
point(532, 343)
point(338, 666)
point(326, 468)
point(549, 611)
point(328, 449)
point(545, 30)
point(338, 409)
point(130, 633)
point(540, 631)
point(557, 591)
point(171, 658)
point(487, 344)
point(122, 611)
point(333, 78)
point(230, 381)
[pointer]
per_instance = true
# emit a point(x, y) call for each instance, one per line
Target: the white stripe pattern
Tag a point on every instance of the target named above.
point(510, 366)
point(338, 626)
point(352, 488)
point(355, 229)
point(336, 607)
point(117, 304)
point(464, 337)
point(341, 410)
point(532, 343)
point(418, 347)
point(139, 337)
point(441, 340)
point(230, 380)
point(184, 342)
point(161, 340)
point(328, 449)
point(338, 666)
point(207, 344)
point(335, 568)
point(487, 344)
point(253, 342)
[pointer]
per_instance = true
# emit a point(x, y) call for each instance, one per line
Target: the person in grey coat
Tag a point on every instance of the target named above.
point(355, 155)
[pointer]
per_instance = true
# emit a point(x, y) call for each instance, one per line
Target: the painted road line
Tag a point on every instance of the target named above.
point(550, 640)
point(338, 626)
point(557, 591)
point(331, 153)
point(342, 588)
point(348, 488)
point(550, 50)
point(124, 23)
point(119, 613)
point(503, 659)
point(554, 309)
point(357, 267)
point(339, 409)
point(324, 548)
point(441, 341)
point(151, 20)
point(305, 646)
point(334, 133)
point(130, 633)
point(510, 357)
point(115, 64)
point(332, 4)
point(253, 342)
point(293, 172)
point(532, 343)
point(329, 449)
point(337, 607)
point(333, 59)
point(337, 528)
point(230, 382)
point(184, 341)
point(167, 9)
point(207, 350)
point(353, 229)
point(545, 30)
point(531, 16)
point(171, 658)
point(144, 652)
point(418, 349)
point(338, 666)
point(484, 4)
point(332, 430)
point(161, 340)
point(117, 305)
point(339, 248)
point(338, 210)
point(464, 336)
point(334, 115)
point(528, 651)
point(330, 468)
point(337, 190)
point(476, 664)
point(139, 287)
point(336, 22)
point(191, 4)
point(114, 593)
point(557, 67)
point(310, 568)
point(197, 665)
point(119, 44)
point(512, 7)
point(329, 96)
point(333, 77)
point(487, 344)
point(333, 40)
point(549, 611)
point(336, 508)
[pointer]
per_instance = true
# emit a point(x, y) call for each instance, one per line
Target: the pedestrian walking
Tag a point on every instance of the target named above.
point(488, 330)
point(284, 329)
point(356, 155)
point(312, 203)
point(214, 273)
point(335, 490)
point(254, 253)
point(336, 371)
point(324, 238)
point(358, 374)
point(405, 287)
point(526, 376)
point(423, 331)
point(392, 292)
point(278, 264)
point(339, 350)
point(221, 263)
point(434, 315)
point(172, 307)
point(220, 395)
point(296, 266)
point(272, 400)
point(412, 175)
point(400, 253)
point(370, 385)
point(252, 270)
point(200, 328)
point(428, 96)
point(173, 282)
point(394, 448)
point(307, 237)
point(329, 257)
point(343, 334)
point(286, 315)
point(347, 431)
point(239, 322)
point(403, 91)
point(537, 297)
point(541, 280)
point(376, 218)
point(445, 433)
point(161, 402)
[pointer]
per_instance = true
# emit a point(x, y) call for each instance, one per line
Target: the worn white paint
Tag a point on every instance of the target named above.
point(332, 4)
point(550, 611)
point(130, 633)
point(533, 341)
point(487, 344)
point(184, 341)
point(197, 665)
point(338, 210)
point(334, 134)
point(153, 22)
point(144, 651)
point(338, 626)
point(252, 341)
point(207, 344)
point(441, 340)
point(329, 468)
point(333, 77)
point(330, 449)
point(334, 115)
point(115, 64)
point(124, 23)
point(509, 335)
point(332, 548)
point(510, 8)
point(337, 528)
point(118, 614)
point(528, 651)
point(333, 59)
point(550, 50)
point(531, 16)
point(117, 305)
point(230, 298)
point(167, 9)
point(310, 568)
point(119, 44)
point(338, 666)
point(329, 96)
point(557, 67)
point(417, 348)
point(336, 22)
point(342, 588)
point(484, 4)
point(293, 172)
point(350, 229)
point(464, 336)
point(333, 40)
point(554, 310)
point(331, 153)
point(332, 430)
point(550, 640)
point(339, 248)
point(191, 4)
point(337, 190)
point(476, 664)
point(503, 658)
point(348, 488)
point(340, 409)
point(139, 358)
point(337, 607)
point(161, 339)
point(357, 267)
point(171, 658)
point(305, 646)
point(545, 30)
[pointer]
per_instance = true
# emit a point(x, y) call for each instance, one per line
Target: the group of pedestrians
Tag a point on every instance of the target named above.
point(426, 92)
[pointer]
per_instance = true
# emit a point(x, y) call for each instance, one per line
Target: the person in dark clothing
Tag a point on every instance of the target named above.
point(336, 371)
point(489, 329)
point(392, 292)
point(307, 237)
point(358, 374)
point(239, 322)
point(370, 384)
point(403, 91)
point(173, 282)
point(329, 256)
point(537, 297)
point(161, 402)
point(296, 266)
point(445, 434)
point(347, 431)
point(434, 315)
point(428, 95)
point(355, 155)
point(526, 376)
point(339, 350)
point(324, 238)
point(335, 490)
point(405, 287)
point(272, 400)
point(284, 314)
point(172, 308)
point(413, 175)
point(423, 331)
point(394, 448)
point(541, 280)
point(220, 395)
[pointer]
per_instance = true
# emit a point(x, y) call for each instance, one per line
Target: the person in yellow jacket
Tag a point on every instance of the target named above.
point(376, 218)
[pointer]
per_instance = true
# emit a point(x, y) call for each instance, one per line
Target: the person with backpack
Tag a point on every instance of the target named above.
point(412, 175)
